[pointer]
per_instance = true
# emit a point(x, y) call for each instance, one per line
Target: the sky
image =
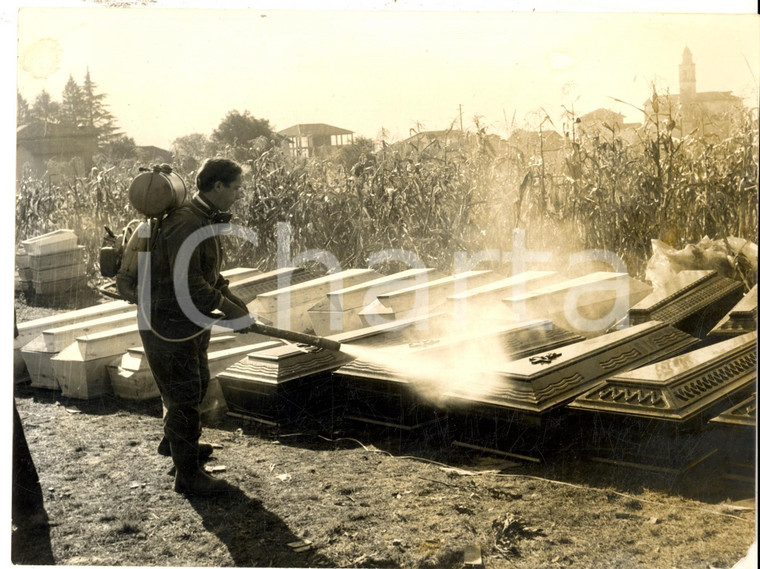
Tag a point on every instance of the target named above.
point(170, 72)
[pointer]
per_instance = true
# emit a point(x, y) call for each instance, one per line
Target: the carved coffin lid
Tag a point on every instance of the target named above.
point(514, 339)
point(237, 274)
point(362, 294)
point(685, 294)
point(552, 378)
point(742, 415)
point(741, 319)
point(427, 295)
point(679, 388)
point(285, 362)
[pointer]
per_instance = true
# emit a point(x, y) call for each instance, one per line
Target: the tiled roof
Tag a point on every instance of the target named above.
point(315, 129)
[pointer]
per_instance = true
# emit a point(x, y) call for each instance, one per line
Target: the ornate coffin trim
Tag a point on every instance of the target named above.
point(549, 380)
point(742, 415)
point(741, 319)
point(679, 388)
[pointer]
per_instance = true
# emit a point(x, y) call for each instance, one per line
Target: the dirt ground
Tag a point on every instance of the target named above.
point(355, 497)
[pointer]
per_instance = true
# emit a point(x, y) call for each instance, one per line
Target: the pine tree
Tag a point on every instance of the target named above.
point(22, 109)
point(45, 109)
point(97, 114)
point(73, 109)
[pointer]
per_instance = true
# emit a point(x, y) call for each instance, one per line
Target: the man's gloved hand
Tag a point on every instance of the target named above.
point(240, 315)
point(227, 293)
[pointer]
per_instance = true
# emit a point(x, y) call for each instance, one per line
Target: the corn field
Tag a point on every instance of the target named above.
point(439, 199)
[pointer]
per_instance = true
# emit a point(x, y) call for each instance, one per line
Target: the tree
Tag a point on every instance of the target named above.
point(189, 150)
point(45, 109)
point(240, 129)
point(120, 147)
point(96, 111)
point(73, 109)
point(22, 109)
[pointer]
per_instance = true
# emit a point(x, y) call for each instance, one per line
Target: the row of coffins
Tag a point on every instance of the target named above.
point(52, 267)
point(509, 359)
point(527, 393)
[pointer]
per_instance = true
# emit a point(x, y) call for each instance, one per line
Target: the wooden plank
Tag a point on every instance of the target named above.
point(422, 299)
point(587, 305)
point(549, 380)
point(287, 307)
point(339, 310)
point(679, 388)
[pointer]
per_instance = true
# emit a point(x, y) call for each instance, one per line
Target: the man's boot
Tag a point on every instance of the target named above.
point(204, 449)
point(190, 477)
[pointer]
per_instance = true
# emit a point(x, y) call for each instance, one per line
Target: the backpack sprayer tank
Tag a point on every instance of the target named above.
point(154, 192)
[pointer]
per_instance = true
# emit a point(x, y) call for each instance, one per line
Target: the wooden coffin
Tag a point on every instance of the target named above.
point(287, 307)
point(652, 418)
point(250, 287)
point(742, 415)
point(237, 274)
point(589, 305)
point(54, 260)
point(545, 381)
point(741, 319)
point(33, 328)
point(80, 368)
point(680, 388)
point(38, 353)
point(421, 299)
point(286, 383)
point(693, 301)
point(485, 301)
point(339, 310)
point(51, 243)
point(403, 385)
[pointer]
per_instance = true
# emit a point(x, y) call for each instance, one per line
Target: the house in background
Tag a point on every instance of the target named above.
point(607, 124)
point(708, 113)
point(316, 139)
point(528, 146)
point(154, 155)
point(38, 143)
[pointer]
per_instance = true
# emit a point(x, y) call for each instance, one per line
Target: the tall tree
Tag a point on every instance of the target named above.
point(73, 108)
point(240, 129)
point(188, 150)
point(97, 114)
point(45, 109)
point(22, 109)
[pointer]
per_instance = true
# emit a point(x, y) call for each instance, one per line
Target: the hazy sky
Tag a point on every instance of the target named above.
point(172, 72)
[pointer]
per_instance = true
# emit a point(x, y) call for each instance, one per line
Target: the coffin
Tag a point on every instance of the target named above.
point(404, 385)
point(339, 310)
point(742, 415)
point(589, 305)
point(551, 379)
point(38, 353)
point(693, 301)
point(680, 388)
point(249, 287)
point(741, 319)
point(51, 243)
point(422, 299)
point(287, 307)
point(286, 383)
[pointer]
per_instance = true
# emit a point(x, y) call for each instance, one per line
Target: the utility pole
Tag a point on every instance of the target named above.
point(460, 118)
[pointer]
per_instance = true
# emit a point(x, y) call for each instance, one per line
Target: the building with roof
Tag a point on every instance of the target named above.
point(316, 139)
point(708, 113)
point(39, 142)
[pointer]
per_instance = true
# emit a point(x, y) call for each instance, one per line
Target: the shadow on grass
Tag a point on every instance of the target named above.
point(254, 536)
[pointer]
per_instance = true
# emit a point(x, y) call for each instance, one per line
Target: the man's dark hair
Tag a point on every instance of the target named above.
point(216, 170)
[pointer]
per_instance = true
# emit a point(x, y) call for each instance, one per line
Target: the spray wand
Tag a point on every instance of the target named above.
point(297, 337)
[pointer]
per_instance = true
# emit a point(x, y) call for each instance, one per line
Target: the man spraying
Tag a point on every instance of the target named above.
point(186, 285)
